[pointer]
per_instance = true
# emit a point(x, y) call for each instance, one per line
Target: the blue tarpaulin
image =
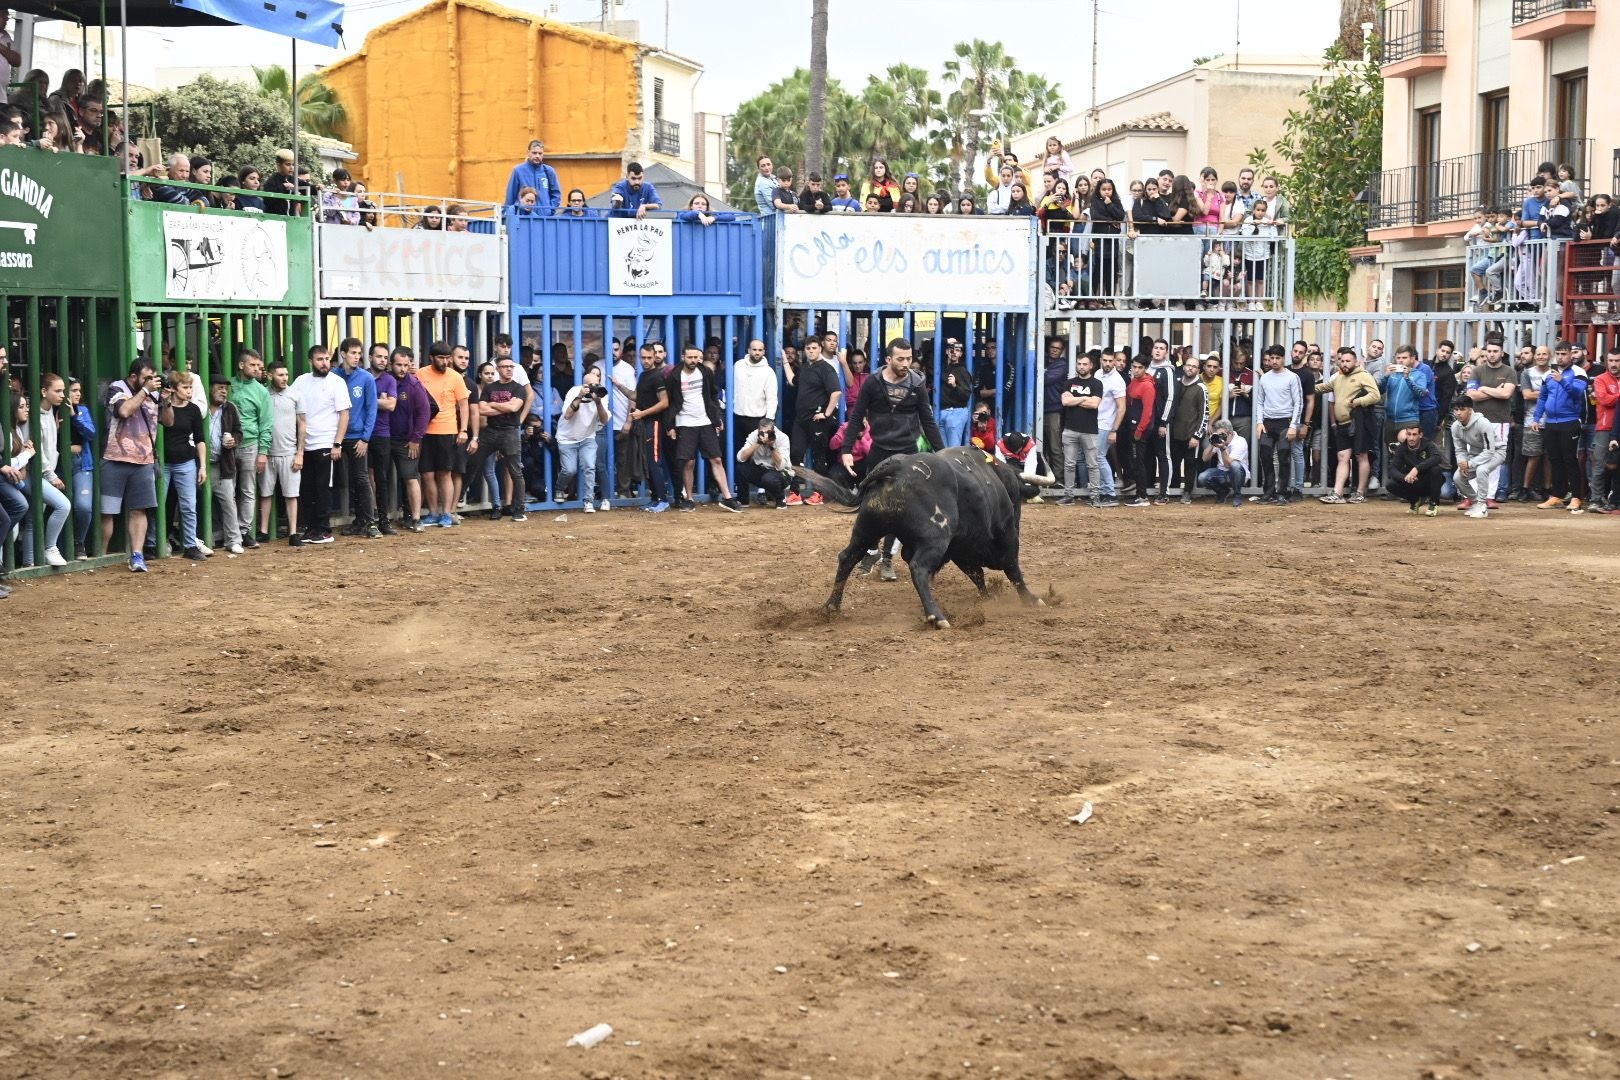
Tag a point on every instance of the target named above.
point(317, 21)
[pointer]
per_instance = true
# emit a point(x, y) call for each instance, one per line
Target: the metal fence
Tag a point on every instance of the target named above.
point(1228, 271)
point(1520, 276)
point(1456, 187)
point(1413, 28)
point(1529, 10)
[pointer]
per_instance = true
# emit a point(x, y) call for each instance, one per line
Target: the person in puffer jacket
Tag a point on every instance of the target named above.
point(1480, 452)
point(1559, 412)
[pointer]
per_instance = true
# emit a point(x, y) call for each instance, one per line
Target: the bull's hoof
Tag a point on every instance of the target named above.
point(939, 623)
point(1039, 602)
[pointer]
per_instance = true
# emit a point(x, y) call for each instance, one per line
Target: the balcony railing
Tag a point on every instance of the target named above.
point(1413, 28)
point(1454, 188)
point(666, 138)
point(1512, 276)
point(1227, 272)
point(1529, 10)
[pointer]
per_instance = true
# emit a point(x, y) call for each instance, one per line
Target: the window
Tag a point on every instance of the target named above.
point(1496, 171)
point(658, 99)
point(1569, 107)
point(1427, 130)
point(1437, 288)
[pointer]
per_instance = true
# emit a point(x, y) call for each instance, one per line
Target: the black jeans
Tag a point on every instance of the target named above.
point(655, 450)
point(1425, 489)
point(380, 455)
point(1276, 456)
point(506, 444)
point(772, 481)
point(1562, 442)
point(315, 492)
point(362, 499)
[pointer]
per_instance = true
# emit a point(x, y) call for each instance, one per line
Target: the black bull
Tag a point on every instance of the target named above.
point(956, 505)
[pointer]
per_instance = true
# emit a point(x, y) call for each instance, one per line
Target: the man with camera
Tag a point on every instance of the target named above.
point(1228, 458)
point(584, 412)
point(764, 460)
point(129, 464)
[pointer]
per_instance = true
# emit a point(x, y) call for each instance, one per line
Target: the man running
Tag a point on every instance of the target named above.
point(894, 404)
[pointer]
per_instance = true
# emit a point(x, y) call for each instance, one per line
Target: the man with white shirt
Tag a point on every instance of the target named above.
point(627, 474)
point(1280, 403)
point(323, 417)
point(1110, 414)
point(754, 390)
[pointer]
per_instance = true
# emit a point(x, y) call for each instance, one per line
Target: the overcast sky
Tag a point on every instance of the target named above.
point(1139, 43)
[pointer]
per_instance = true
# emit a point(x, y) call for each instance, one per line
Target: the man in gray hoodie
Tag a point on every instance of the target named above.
point(1479, 449)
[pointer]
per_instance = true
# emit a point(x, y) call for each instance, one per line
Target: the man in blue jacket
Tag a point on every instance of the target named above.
point(1559, 411)
point(535, 173)
point(357, 440)
point(1403, 384)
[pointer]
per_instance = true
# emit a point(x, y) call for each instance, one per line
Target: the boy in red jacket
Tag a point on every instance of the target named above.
point(1606, 447)
point(1141, 394)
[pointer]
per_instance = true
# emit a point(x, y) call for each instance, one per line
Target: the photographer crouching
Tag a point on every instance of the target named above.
point(765, 461)
point(584, 412)
point(1228, 458)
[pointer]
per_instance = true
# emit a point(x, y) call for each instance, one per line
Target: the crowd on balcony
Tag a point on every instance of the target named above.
point(1511, 249)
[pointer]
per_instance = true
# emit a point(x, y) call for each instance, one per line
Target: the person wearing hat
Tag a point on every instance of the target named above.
point(955, 394)
point(533, 172)
point(224, 436)
point(843, 202)
point(283, 181)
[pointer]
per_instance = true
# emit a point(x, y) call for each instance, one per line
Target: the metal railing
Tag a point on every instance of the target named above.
point(1413, 28)
point(1529, 10)
point(1228, 271)
point(1453, 188)
point(1508, 276)
point(399, 210)
point(666, 138)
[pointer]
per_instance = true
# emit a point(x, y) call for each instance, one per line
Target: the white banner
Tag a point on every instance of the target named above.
point(215, 257)
point(409, 264)
point(641, 257)
point(885, 259)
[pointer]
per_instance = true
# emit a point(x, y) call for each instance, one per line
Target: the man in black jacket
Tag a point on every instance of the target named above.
point(698, 420)
point(1416, 470)
point(815, 407)
point(894, 404)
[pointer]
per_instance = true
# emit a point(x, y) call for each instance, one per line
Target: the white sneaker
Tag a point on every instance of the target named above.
point(605, 505)
point(590, 508)
point(54, 557)
point(204, 548)
point(1478, 510)
point(234, 547)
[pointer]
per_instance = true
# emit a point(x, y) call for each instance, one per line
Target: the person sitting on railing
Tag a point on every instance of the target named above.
point(534, 174)
point(633, 194)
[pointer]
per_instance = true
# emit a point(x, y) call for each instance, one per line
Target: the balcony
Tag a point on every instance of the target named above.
point(1414, 38)
point(1453, 188)
point(1542, 20)
point(666, 138)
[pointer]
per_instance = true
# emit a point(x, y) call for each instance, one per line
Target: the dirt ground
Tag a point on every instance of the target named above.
point(430, 806)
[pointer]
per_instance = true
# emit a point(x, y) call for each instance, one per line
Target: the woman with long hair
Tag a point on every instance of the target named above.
point(881, 184)
point(1107, 225)
point(251, 182)
point(1057, 220)
point(1018, 204)
point(432, 218)
point(907, 204)
point(934, 205)
point(911, 184)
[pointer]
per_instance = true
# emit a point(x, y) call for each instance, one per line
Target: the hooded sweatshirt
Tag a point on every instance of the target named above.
point(1478, 443)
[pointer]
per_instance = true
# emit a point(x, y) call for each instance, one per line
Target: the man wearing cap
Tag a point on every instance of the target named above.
point(282, 182)
point(533, 172)
point(955, 395)
point(843, 202)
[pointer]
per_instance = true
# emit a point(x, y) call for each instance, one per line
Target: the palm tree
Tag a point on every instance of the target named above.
point(1352, 13)
point(815, 127)
point(319, 110)
point(979, 72)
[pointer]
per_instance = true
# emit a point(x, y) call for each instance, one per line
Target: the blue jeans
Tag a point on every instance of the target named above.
point(84, 485)
point(1105, 487)
point(577, 458)
point(953, 426)
point(1225, 482)
point(182, 480)
point(1299, 464)
point(14, 514)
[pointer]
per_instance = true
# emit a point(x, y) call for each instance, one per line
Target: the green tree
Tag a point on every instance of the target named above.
point(319, 110)
point(1330, 153)
point(231, 123)
point(980, 71)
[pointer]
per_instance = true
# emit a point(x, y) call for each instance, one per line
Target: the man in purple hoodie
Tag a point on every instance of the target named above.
point(407, 423)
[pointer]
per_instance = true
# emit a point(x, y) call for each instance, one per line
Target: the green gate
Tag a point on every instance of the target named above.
point(61, 291)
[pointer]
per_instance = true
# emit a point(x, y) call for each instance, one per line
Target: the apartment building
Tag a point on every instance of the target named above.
point(1477, 95)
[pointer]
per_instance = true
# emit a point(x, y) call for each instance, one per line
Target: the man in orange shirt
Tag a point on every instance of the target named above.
point(446, 432)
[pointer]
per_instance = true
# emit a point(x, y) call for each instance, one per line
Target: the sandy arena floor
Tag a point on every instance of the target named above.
point(428, 808)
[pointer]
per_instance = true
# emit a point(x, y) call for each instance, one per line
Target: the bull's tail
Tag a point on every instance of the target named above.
point(829, 487)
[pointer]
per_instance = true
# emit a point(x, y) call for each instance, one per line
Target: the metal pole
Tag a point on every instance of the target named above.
point(1091, 126)
point(292, 80)
point(123, 60)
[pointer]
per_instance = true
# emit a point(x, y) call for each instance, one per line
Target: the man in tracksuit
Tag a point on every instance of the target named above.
point(1158, 433)
point(533, 172)
point(1280, 402)
point(1559, 412)
point(1479, 449)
